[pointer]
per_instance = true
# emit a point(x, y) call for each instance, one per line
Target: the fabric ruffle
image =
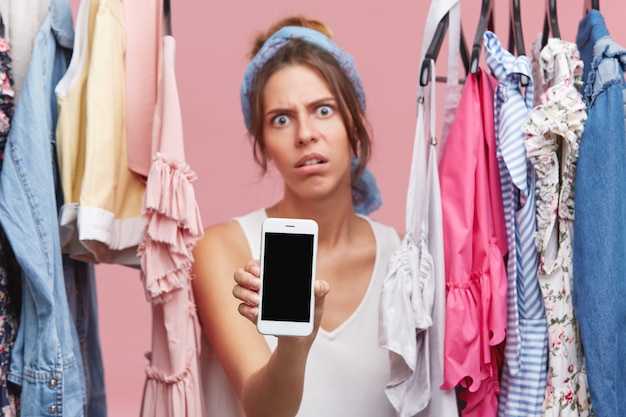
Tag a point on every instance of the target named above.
point(552, 141)
point(173, 387)
point(559, 121)
point(173, 227)
point(486, 398)
point(569, 74)
point(408, 291)
point(479, 301)
point(169, 385)
point(475, 245)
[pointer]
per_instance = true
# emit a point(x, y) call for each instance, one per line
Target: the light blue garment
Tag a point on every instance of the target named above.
point(46, 360)
point(526, 351)
point(600, 226)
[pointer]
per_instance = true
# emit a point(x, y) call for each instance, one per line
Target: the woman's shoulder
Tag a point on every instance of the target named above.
point(225, 239)
point(217, 255)
point(232, 236)
point(224, 231)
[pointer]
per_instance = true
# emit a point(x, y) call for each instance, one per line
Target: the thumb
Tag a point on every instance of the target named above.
point(321, 290)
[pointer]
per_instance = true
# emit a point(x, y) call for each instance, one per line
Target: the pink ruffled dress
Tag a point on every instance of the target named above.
point(173, 386)
point(475, 245)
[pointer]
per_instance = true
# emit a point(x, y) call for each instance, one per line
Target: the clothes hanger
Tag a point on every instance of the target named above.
point(433, 52)
point(550, 23)
point(485, 22)
point(516, 37)
point(167, 16)
point(591, 5)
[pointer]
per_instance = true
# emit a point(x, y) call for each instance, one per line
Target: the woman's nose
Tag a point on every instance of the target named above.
point(306, 131)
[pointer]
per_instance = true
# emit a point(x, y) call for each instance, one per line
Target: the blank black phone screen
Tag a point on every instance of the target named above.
point(288, 270)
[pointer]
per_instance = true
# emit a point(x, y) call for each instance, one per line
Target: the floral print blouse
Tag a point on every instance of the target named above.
point(553, 134)
point(7, 94)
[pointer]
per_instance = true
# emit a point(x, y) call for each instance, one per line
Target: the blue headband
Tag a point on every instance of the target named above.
point(365, 193)
point(279, 39)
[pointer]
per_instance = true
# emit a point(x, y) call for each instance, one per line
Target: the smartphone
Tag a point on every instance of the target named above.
point(288, 260)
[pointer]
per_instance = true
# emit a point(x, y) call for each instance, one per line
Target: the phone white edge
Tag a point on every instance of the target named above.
point(294, 226)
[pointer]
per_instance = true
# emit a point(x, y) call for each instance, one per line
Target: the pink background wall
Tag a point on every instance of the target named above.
point(213, 38)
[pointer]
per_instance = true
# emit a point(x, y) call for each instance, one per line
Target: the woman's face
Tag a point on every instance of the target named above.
point(304, 133)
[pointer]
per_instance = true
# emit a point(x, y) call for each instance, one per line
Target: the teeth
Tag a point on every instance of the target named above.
point(312, 162)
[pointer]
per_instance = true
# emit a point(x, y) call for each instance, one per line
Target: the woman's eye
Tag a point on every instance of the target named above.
point(324, 110)
point(280, 120)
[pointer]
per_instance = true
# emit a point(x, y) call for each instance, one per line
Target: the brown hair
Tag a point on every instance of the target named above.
point(300, 52)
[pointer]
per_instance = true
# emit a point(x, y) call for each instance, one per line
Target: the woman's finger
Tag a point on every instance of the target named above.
point(250, 297)
point(247, 279)
point(253, 267)
point(248, 312)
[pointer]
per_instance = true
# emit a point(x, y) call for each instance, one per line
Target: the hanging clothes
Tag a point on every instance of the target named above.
point(46, 360)
point(412, 310)
point(526, 350)
point(80, 287)
point(600, 227)
point(436, 12)
point(169, 206)
point(7, 95)
point(10, 272)
point(79, 283)
point(475, 244)
point(173, 387)
point(22, 20)
point(144, 35)
point(71, 125)
point(553, 135)
point(101, 216)
point(412, 302)
point(10, 304)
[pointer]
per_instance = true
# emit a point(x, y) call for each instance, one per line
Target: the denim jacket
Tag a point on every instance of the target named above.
point(600, 225)
point(46, 360)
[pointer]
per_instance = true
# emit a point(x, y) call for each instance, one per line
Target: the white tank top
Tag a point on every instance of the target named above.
point(346, 370)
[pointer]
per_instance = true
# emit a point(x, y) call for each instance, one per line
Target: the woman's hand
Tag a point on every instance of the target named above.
point(247, 289)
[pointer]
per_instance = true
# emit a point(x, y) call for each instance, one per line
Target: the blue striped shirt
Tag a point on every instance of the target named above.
point(526, 351)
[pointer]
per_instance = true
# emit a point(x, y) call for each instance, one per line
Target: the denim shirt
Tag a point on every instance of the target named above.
point(600, 226)
point(46, 358)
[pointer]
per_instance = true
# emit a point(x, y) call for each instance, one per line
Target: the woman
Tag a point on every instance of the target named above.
point(304, 107)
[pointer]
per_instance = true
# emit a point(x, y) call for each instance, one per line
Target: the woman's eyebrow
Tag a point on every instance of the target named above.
point(314, 103)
